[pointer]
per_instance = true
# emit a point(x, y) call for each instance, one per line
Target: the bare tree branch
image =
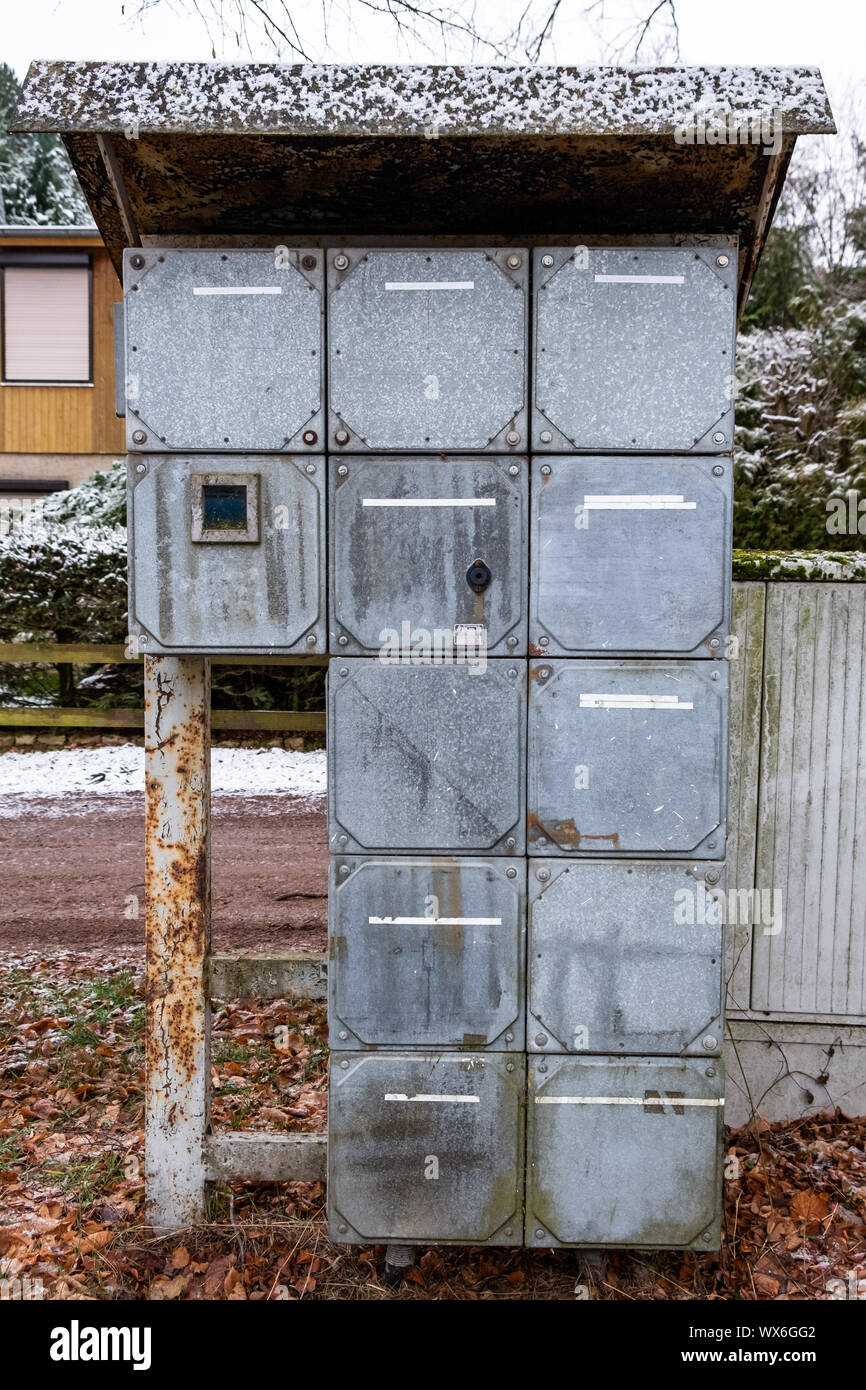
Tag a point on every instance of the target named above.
point(430, 26)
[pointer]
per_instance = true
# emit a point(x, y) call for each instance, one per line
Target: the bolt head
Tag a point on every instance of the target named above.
point(311, 639)
point(511, 873)
point(344, 871)
point(710, 1071)
point(139, 437)
point(715, 642)
point(137, 262)
point(513, 262)
point(311, 468)
point(310, 436)
point(343, 1034)
point(344, 670)
point(541, 840)
point(723, 261)
point(540, 1039)
point(712, 875)
point(546, 471)
point(547, 262)
point(141, 468)
point(512, 673)
point(341, 436)
point(546, 437)
point(539, 1234)
point(544, 672)
point(543, 641)
point(344, 839)
point(510, 842)
point(513, 470)
point(341, 261)
point(511, 641)
point(709, 1043)
point(718, 437)
point(718, 471)
point(142, 641)
point(512, 438)
point(342, 1230)
point(342, 471)
point(343, 640)
point(544, 875)
point(308, 262)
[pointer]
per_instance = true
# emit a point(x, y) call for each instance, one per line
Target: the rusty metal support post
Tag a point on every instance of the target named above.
point(177, 890)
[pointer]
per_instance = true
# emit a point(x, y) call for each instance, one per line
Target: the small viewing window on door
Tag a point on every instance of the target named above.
point(225, 507)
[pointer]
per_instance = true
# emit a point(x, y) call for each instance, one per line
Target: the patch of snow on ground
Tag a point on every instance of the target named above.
point(84, 774)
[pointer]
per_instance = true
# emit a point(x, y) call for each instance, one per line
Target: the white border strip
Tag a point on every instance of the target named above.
point(428, 501)
point(429, 284)
point(636, 502)
point(656, 1102)
point(434, 921)
point(237, 289)
point(634, 702)
point(640, 279)
point(435, 1100)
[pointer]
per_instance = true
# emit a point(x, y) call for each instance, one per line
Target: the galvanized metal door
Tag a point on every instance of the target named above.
point(426, 758)
point(631, 557)
point(224, 350)
point(427, 953)
point(634, 349)
point(627, 758)
point(428, 551)
point(624, 1153)
point(427, 350)
point(227, 554)
point(625, 957)
point(426, 1148)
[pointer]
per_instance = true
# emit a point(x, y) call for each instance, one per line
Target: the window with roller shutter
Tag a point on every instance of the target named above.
point(46, 320)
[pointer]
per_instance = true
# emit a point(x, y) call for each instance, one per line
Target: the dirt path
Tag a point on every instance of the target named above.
point(74, 880)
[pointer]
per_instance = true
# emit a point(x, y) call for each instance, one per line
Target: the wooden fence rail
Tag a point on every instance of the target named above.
point(105, 653)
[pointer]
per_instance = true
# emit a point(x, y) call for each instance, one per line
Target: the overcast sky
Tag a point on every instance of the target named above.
point(828, 33)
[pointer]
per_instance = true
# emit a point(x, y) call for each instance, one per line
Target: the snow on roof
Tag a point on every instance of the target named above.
point(310, 99)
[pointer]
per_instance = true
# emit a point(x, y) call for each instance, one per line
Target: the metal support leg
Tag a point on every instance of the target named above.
point(177, 891)
point(398, 1259)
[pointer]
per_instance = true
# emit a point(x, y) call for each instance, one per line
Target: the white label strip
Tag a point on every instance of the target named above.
point(429, 284)
point(434, 921)
point(636, 502)
point(634, 702)
point(428, 501)
point(640, 279)
point(237, 289)
point(433, 1100)
point(654, 1101)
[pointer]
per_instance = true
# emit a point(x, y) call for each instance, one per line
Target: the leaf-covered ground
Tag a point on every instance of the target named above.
point(71, 1186)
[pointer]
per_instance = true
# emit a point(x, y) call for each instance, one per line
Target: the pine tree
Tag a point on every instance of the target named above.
point(37, 184)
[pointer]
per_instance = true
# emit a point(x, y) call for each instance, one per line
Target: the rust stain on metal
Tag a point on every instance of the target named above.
point(566, 834)
point(178, 885)
point(535, 650)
